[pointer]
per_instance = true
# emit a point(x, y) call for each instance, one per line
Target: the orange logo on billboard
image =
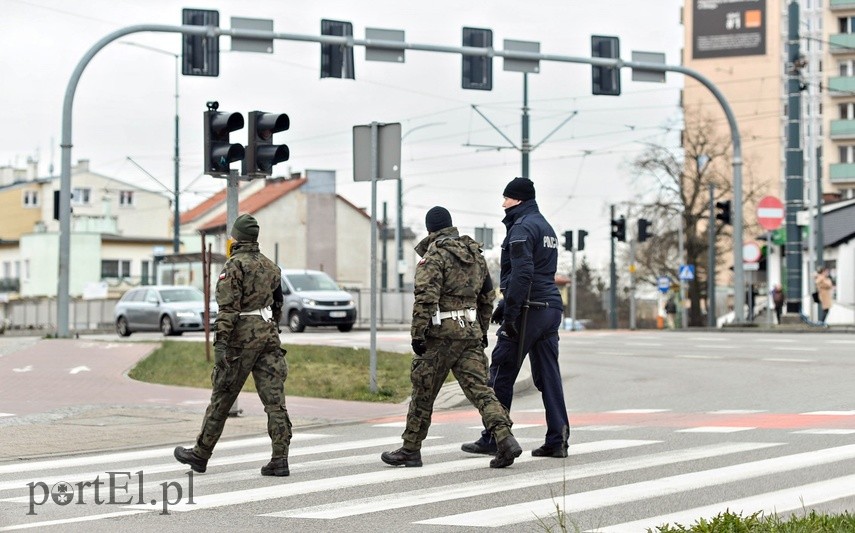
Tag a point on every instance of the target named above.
point(753, 18)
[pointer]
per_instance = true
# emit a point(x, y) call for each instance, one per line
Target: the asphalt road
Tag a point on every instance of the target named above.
point(666, 426)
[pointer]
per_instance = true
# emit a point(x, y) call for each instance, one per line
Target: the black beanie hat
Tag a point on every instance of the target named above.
point(437, 218)
point(520, 189)
point(245, 228)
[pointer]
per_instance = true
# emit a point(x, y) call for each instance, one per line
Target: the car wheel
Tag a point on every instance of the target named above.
point(166, 326)
point(122, 327)
point(344, 328)
point(295, 324)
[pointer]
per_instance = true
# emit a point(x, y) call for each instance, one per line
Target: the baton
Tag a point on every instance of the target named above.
point(520, 348)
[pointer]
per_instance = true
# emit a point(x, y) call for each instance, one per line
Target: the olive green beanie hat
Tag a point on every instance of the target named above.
point(245, 228)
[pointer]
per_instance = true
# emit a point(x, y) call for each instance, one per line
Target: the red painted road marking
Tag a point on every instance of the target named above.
point(668, 419)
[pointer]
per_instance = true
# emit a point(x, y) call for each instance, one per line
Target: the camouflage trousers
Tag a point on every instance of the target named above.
point(466, 360)
point(269, 370)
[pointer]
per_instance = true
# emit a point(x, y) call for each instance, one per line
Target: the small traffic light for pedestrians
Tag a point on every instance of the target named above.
point(261, 153)
point(605, 80)
point(220, 153)
point(619, 229)
point(582, 235)
point(644, 229)
point(723, 211)
point(568, 240)
point(477, 70)
point(337, 59)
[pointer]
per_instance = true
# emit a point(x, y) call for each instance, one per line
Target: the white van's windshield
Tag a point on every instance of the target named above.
point(312, 282)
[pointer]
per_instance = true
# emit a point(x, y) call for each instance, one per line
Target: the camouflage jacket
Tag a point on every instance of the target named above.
point(248, 281)
point(453, 275)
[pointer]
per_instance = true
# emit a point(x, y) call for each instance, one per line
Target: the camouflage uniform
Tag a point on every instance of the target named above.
point(454, 276)
point(249, 281)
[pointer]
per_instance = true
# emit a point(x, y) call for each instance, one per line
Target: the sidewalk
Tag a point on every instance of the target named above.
point(94, 411)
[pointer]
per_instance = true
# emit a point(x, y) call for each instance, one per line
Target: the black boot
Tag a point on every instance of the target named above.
point(558, 451)
point(189, 457)
point(479, 447)
point(507, 450)
point(402, 456)
point(278, 466)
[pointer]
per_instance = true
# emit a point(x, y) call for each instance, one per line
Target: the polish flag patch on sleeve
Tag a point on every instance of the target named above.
point(222, 275)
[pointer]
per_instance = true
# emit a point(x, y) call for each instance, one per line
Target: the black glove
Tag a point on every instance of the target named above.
point(484, 341)
point(220, 355)
point(499, 313)
point(510, 330)
point(419, 347)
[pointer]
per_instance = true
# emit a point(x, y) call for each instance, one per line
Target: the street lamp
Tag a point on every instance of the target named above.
point(176, 218)
point(399, 242)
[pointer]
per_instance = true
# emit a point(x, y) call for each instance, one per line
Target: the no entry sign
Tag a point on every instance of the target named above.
point(770, 213)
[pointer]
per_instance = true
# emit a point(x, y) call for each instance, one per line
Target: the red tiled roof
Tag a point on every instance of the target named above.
point(255, 202)
point(204, 207)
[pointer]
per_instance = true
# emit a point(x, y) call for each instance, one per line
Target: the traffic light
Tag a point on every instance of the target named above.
point(644, 229)
point(337, 59)
point(219, 151)
point(477, 70)
point(605, 80)
point(261, 153)
point(723, 213)
point(582, 235)
point(200, 54)
point(619, 229)
point(568, 240)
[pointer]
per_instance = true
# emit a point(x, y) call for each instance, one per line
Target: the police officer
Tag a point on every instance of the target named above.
point(528, 264)
point(451, 314)
point(249, 296)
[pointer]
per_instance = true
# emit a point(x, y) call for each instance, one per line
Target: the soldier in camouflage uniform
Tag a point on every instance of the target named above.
point(249, 296)
point(452, 280)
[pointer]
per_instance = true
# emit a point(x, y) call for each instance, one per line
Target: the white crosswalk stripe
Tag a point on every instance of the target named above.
point(523, 512)
point(338, 482)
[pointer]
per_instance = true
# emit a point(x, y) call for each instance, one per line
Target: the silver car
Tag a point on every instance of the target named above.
point(170, 309)
point(312, 298)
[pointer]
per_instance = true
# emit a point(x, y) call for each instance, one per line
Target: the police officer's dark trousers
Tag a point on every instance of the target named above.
point(541, 344)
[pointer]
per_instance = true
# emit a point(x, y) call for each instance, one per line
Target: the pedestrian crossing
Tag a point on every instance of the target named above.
point(616, 484)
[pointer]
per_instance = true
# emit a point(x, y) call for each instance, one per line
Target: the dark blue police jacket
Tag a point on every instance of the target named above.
point(529, 259)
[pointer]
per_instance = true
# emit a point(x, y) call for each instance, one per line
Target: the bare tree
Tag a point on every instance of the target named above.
point(677, 181)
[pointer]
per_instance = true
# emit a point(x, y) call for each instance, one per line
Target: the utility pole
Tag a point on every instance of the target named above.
point(711, 321)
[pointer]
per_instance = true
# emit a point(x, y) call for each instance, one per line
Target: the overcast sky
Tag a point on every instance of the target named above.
point(124, 105)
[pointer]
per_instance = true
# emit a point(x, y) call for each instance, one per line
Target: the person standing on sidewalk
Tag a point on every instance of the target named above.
point(249, 296)
point(778, 300)
point(451, 314)
point(529, 261)
point(825, 288)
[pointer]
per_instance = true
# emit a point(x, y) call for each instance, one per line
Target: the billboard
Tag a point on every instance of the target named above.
point(728, 28)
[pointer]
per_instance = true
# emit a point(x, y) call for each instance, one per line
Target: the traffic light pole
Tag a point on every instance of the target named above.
point(573, 290)
point(63, 286)
point(711, 321)
point(612, 280)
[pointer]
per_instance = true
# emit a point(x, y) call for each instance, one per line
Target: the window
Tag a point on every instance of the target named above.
point(144, 272)
point(31, 198)
point(846, 24)
point(847, 153)
point(7, 269)
point(126, 198)
point(80, 195)
point(846, 67)
point(113, 268)
point(847, 111)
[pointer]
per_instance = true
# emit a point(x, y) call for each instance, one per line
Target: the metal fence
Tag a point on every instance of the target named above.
point(40, 313)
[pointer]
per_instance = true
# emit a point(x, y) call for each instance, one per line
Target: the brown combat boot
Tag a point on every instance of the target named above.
point(278, 466)
point(507, 450)
point(189, 457)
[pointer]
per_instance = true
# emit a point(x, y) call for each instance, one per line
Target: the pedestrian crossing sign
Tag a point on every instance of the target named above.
point(687, 272)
